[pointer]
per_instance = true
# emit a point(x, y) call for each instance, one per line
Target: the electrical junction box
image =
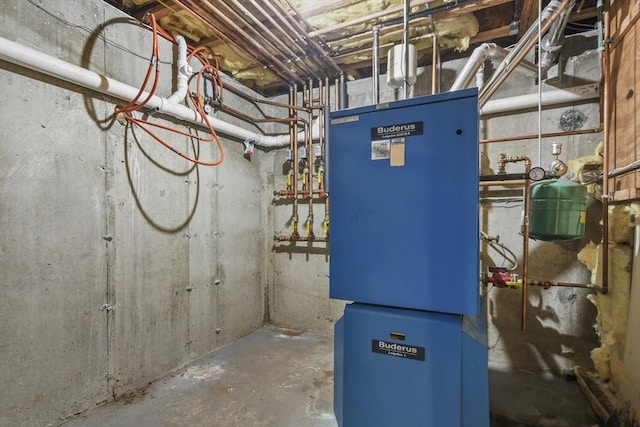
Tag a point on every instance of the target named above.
point(404, 203)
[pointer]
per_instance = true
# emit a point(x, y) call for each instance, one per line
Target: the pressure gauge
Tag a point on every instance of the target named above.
point(536, 174)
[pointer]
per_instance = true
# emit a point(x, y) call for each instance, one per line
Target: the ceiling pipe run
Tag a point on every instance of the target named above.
point(364, 19)
point(284, 75)
point(293, 22)
point(251, 20)
point(287, 38)
point(35, 60)
point(236, 29)
point(549, 15)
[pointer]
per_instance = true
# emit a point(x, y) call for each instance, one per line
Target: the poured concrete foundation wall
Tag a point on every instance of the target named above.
point(119, 260)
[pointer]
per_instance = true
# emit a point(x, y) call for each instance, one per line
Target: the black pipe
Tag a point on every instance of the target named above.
point(504, 177)
point(344, 98)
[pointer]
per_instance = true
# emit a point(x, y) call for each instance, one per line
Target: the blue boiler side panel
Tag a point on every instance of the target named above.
point(404, 203)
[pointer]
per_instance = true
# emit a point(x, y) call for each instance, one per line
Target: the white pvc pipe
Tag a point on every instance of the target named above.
point(35, 60)
point(476, 61)
point(184, 72)
point(553, 97)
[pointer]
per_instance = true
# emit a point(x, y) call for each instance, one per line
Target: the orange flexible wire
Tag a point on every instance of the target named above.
point(133, 105)
point(179, 153)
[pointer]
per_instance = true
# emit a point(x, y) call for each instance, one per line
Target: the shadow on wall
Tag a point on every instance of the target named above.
point(132, 178)
point(104, 123)
point(560, 320)
point(139, 157)
point(546, 344)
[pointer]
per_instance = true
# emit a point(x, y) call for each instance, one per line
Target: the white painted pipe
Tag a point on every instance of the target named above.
point(184, 72)
point(553, 97)
point(38, 61)
point(476, 61)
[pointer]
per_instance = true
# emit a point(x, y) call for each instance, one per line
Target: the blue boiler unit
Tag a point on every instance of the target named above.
point(410, 349)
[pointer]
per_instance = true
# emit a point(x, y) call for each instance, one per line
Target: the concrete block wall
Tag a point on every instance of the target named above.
point(119, 261)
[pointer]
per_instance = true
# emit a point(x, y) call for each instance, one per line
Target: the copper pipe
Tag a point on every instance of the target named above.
point(624, 32)
point(327, 99)
point(434, 63)
point(310, 161)
point(248, 118)
point(259, 100)
point(294, 125)
point(326, 214)
point(220, 33)
point(365, 36)
point(268, 16)
point(320, 192)
point(280, 46)
point(502, 159)
point(544, 135)
point(236, 29)
point(327, 103)
point(337, 95)
point(302, 121)
point(364, 19)
point(288, 39)
point(301, 34)
point(207, 21)
point(547, 284)
point(278, 104)
point(605, 161)
point(300, 239)
point(320, 103)
point(324, 96)
point(240, 114)
point(525, 261)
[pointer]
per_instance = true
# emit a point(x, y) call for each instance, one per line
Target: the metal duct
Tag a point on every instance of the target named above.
point(549, 15)
point(554, 39)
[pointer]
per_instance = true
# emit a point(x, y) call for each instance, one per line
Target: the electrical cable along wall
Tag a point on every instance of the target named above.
point(207, 71)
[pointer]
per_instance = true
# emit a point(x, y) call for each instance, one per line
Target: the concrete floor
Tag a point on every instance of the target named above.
point(282, 378)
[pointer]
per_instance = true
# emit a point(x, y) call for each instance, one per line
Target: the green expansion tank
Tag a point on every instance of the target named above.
point(558, 210)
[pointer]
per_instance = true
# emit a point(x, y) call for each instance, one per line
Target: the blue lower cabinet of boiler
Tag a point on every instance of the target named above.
point(400, 367)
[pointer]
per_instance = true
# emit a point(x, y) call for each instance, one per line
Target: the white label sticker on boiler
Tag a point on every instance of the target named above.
point(380, 149)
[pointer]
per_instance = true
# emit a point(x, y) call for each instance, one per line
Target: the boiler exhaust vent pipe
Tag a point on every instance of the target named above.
point(549, 15)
